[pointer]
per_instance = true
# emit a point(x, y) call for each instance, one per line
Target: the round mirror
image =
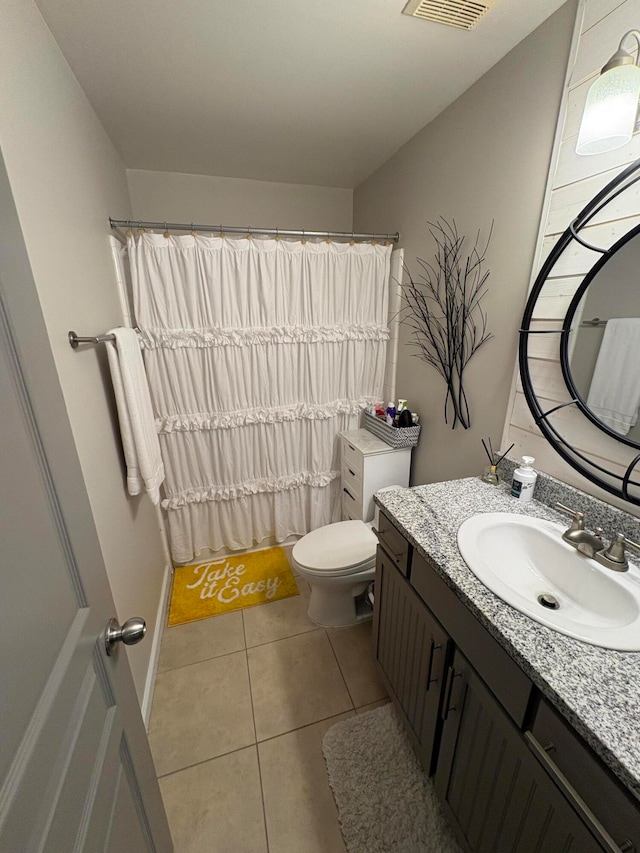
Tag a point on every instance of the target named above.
point(587, 399)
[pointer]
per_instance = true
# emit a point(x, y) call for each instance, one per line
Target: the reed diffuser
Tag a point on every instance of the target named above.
point(491, 474)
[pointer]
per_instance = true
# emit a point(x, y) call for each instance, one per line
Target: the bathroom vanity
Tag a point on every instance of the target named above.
point(532, 737)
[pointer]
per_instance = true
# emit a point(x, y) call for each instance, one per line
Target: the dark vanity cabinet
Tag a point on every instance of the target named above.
point(510, 772)
point(416, 678)
point(498, 794)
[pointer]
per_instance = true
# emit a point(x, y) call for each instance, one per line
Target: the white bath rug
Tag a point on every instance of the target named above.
point(385, 800)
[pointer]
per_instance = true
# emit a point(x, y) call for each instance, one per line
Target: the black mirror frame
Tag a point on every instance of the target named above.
point(612, 483)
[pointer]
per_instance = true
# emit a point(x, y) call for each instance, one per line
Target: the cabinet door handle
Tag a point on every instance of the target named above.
point(448, 689)
point(353, 473)
point(572, 795)
point(434, 647)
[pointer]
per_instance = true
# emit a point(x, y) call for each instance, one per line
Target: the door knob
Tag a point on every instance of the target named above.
point(130, 633)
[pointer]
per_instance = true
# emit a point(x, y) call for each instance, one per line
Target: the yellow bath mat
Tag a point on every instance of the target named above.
point(219, 586)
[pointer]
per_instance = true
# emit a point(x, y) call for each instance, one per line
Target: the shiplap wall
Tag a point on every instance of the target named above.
point(573, 180)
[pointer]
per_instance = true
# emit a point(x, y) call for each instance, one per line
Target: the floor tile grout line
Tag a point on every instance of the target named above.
point(253, 713)
point(244, 629)
point(287, 637)
point(206, 760)
point(257, 743)
point(255, 734)
point(246, 646)
point(340, 669)
point(307, 725)
point(243, 649)
point(264, 808)
point(196, 662)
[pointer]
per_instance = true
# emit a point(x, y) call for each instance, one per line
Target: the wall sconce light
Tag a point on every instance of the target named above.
point(611, 108)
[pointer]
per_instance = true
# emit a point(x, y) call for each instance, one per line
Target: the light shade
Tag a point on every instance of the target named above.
point(610, 112)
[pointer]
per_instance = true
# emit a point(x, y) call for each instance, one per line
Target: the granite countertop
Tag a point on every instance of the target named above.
point(597, 690)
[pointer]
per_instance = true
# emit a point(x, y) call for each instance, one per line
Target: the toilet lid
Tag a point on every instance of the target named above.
point(341, 547)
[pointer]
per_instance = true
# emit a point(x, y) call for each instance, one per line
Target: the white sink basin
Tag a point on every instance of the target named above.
point(522, 558)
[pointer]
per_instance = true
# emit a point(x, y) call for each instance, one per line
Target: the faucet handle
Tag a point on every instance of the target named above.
point(615, 556)
point(578, 517)
point(616, 552)
point(631, 544)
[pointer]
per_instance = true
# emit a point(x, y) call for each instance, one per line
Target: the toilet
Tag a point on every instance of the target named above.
point(339, 562)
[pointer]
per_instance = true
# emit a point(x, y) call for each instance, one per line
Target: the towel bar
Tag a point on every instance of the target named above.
point(75, 339)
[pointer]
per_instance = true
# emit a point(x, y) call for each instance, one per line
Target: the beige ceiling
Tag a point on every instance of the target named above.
point(303, 92)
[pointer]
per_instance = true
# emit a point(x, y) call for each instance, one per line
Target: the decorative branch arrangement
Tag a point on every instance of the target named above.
point(449, 325)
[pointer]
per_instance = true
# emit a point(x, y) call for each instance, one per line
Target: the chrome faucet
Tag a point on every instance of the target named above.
point(613, 557)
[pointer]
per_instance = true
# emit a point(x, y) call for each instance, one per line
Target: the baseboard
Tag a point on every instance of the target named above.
point(161, 619)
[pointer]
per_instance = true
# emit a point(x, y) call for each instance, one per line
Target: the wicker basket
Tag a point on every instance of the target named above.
point(394, 436)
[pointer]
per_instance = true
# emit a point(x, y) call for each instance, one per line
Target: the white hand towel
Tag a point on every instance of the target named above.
point(614, 395)
point(135, 413)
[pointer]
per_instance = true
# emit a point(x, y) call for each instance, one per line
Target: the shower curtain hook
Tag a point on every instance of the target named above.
point(193, 230)
point(222, 234)
point(277, 234)
point(304, 238)
point(166, 231)
point(328, 237)
point(352, 242)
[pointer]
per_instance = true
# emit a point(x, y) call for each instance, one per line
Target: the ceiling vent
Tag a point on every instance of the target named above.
point(464, 14)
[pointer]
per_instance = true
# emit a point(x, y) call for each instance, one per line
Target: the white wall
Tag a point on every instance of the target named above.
point(168, 196)
point(66, 179)
point(573, 180)
point(484, 158)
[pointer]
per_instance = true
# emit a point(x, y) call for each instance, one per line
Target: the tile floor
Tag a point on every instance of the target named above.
point(241, 704)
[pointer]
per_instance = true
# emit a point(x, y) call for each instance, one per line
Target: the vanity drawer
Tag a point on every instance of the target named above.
point(351, 480)
point(393, 543)
point(499, 672)
point(351, 505)
point(583, 778)
point(353, 458)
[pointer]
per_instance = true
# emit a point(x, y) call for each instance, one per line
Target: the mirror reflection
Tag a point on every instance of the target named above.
point(604, 346)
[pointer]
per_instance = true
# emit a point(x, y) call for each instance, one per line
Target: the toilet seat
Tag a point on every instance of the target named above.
point(342, 548)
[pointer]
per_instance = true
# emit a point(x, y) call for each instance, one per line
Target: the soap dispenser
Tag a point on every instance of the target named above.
point(524, 480)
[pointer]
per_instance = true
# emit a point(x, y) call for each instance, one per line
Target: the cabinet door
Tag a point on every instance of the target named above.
point(493, 788)
point(411, 649)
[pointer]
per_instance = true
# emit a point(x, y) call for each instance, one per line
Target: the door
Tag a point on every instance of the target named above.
point(411, 649)
point(493, 788)
point(75, 769)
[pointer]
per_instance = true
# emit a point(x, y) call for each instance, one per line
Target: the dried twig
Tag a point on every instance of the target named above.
point(444, 312)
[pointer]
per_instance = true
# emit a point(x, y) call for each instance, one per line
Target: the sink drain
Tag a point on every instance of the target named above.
point(548, 601)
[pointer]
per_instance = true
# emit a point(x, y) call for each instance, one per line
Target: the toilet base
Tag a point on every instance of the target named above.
point(337, 608)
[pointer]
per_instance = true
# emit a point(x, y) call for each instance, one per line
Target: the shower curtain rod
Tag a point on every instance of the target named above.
point(234, 229)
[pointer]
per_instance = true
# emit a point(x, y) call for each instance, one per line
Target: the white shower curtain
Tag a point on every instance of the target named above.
point(258, 353)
